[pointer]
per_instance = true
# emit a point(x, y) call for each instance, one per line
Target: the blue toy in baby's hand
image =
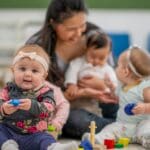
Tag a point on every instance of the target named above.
point(128, 108)
point(14, 102)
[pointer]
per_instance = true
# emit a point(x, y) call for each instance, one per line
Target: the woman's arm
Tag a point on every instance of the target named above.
point(92, 82)
point(101, 96)
point(97, 92)
point(83, 93)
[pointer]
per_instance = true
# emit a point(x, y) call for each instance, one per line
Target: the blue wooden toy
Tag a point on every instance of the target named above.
point(128, 108)
point(86, 145)
point(14, 102)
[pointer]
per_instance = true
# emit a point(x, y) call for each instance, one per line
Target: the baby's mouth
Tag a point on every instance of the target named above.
point(27, 81)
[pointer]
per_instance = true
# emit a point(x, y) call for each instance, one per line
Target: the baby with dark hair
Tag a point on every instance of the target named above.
point(93, 63)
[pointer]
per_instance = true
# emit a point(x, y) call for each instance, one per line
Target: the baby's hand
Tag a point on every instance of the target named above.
point(140, 108)
point(25, 104)
point(9, 108)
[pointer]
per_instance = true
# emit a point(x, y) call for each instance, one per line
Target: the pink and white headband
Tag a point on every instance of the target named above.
point(33, 56)
point(133, 69)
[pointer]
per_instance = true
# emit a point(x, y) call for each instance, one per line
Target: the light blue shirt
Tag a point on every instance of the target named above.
point(133, 95)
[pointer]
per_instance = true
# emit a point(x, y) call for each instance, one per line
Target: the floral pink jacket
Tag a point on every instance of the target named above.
point(48, 106)
point(62, 108)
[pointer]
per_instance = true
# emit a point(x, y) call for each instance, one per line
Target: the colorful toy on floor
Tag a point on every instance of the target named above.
point(92, 137)
point(128, 108)
point(117, 145)
point(86, 145)
point(124, 141)
point(80, 148)
point(92, 132)
point(14, 102)
point(109, 143)
point(53, 131)
point(51, 128)
point(90, 145)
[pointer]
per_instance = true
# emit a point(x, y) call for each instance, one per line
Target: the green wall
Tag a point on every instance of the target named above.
point(141, 4)
point(119, 4)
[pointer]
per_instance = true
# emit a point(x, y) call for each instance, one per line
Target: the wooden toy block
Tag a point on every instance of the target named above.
point(92, 132)
point(109, 143)
point(124, 141)
point(92, 138)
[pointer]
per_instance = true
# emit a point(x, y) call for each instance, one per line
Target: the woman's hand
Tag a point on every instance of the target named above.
point(68, 97)
point(92, 82)
point(107, 97)
point(25, 104)
point(89, 93)
point(109, 83)
point(72, 90)
point(82, 93)
point(101, 96)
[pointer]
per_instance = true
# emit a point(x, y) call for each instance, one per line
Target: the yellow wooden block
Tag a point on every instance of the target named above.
point(124, 141)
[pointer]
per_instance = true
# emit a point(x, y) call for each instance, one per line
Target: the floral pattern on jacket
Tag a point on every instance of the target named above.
point(37, 117)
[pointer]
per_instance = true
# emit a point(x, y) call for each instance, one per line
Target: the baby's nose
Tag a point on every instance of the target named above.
point(28, 73)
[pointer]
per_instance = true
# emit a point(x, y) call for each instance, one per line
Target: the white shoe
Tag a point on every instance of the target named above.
point(68, 146)
point(10, 145)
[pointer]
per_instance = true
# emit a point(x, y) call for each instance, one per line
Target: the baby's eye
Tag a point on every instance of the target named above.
point(34, 71)
point(22, 68)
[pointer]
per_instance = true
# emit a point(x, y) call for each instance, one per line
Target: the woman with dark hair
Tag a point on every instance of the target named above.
point(61, 34)
point(63, 38)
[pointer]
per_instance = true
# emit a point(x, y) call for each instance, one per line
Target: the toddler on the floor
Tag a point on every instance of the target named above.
point(132, 71)
point(24, 125)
